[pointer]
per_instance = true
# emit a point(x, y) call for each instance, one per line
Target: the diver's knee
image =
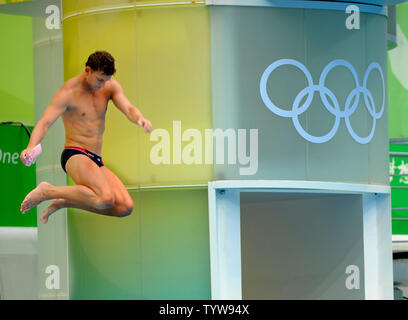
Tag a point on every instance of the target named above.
point(125, 209)
point(106, 200)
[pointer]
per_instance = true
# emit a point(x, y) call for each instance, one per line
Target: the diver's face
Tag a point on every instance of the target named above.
point(97, 79)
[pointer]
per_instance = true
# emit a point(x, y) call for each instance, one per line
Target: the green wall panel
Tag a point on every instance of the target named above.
point(161, 251)
point(398, 77)
point(12, 1)
point(16, 65)
point(16, 104)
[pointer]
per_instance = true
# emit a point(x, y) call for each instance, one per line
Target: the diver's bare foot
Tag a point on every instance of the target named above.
point(54, 206)
point(35, 197)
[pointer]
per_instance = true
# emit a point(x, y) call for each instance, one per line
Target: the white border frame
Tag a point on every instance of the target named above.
point(225, 237)
point(131, 6)
point(323, 5)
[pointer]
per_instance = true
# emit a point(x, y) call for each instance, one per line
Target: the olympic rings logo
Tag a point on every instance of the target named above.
point(326, 94)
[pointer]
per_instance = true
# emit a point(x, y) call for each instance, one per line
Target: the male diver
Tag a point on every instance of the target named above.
point(82, 103)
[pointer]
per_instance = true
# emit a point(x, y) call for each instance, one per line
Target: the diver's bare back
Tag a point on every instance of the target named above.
point(84, 117)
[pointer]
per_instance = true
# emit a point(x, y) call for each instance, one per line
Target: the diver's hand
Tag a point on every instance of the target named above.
point(25, 154)
point(28, 155)
point(145, 123)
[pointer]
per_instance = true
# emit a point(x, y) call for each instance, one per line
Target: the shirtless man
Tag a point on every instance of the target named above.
point(82, 102)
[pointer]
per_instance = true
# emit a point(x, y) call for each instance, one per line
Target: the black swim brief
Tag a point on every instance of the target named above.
point(70, 151)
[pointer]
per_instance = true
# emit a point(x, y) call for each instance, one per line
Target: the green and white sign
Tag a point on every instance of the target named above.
point(399, 191)
point(16, 179)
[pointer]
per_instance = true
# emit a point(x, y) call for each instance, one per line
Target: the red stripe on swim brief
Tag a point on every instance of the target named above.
point(80, 149)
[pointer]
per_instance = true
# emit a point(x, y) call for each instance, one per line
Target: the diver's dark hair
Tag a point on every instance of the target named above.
point(102, 61)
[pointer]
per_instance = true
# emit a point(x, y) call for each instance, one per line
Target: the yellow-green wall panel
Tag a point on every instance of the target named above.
point(72, 63)
point(115, 33)
point(12, 1)
point(104, 256)
point(161, 251)
point(17, 72)
point(173, 72)
point(163, 65)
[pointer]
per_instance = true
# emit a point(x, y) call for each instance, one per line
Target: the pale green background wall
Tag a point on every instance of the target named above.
point(32, 71)
point(161, 251)
point(19, 267)
point(16, 65)
point(49, 77)
point(17, 100)
point(398, 77)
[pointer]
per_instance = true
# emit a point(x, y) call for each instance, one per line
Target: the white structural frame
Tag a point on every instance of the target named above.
point(225, 231)
point(305, 4)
